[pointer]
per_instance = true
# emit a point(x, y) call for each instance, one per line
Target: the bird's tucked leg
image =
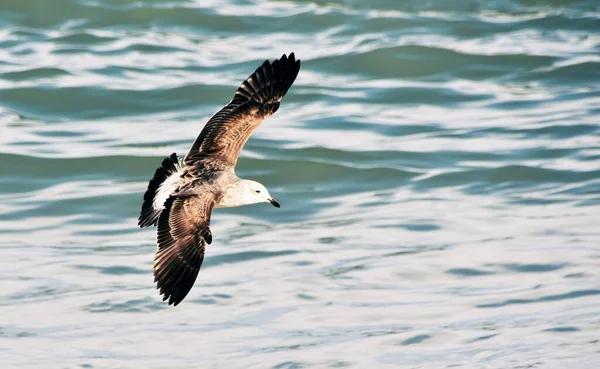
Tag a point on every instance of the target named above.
point(206, 234)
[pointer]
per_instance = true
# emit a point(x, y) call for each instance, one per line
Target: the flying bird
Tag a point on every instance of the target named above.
point(182, 194)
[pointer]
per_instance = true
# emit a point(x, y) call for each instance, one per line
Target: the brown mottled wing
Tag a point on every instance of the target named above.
point(183, 230)
point(220, 142)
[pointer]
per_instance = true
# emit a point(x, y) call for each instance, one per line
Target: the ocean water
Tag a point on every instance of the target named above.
point(438, 165)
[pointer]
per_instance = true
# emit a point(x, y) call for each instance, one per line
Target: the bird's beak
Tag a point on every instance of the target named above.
point(274, 202)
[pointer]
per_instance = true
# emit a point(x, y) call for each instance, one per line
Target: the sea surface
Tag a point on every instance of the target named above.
point(438, 165)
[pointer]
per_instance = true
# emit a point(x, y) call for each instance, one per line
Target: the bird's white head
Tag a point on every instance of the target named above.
point(255, 193)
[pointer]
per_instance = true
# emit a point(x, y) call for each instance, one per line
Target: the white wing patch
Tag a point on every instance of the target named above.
point(167, 188)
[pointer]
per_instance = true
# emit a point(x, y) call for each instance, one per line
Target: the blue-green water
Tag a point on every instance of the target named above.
point(438, 164)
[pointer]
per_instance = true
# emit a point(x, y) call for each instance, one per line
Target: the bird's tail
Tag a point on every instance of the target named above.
point(150, 213)
point(269, 83)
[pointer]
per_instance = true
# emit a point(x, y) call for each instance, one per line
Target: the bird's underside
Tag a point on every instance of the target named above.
point(180, 197)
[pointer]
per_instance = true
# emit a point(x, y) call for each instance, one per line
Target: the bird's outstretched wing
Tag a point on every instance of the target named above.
point(183, 231)
point(220, 142)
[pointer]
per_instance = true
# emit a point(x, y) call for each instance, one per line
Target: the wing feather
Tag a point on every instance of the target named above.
point(258, 97)
point(181, 244)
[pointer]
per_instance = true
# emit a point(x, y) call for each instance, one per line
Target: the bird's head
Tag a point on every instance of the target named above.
point(256, 193)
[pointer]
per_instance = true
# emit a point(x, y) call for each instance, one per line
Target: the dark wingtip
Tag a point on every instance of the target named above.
point(174, 302)
point(269, 83)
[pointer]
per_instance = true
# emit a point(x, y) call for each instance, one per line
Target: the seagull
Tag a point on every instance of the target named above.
point(182, 194)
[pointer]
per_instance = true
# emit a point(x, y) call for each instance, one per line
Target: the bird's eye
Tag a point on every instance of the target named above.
point(257, 191)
